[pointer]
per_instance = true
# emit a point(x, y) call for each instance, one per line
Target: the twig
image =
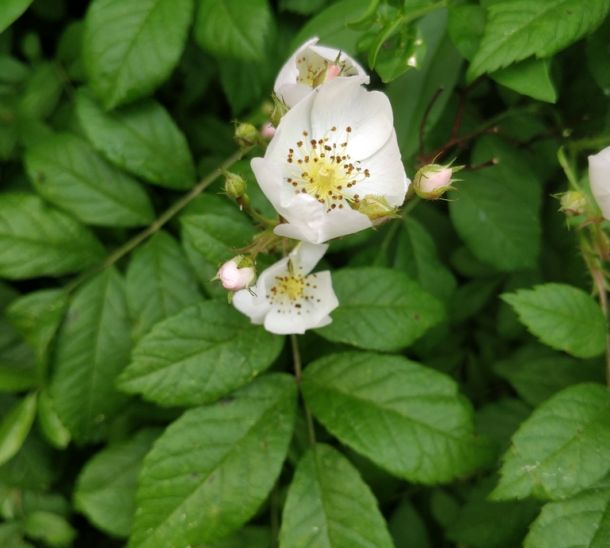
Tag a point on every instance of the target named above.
point(424, 120)
point(298, 373)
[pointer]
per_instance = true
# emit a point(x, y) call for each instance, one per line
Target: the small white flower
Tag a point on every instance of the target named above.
point(312, 65)
point(329, 152)
point(599, 176)
point(234, 277)
point(287, 298)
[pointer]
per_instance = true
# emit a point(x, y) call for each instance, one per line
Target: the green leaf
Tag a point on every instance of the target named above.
point(531, 77)
point(582, 521)
point(67, 172)
point(536, 372)
point(41, 93)
point(199, 356)
point(130, 47)
point(15, 427)
point(33, 467)
point(49, 422)
point(380, 309)
point(495, 210)
point(142, 139)
point(597, 59)
point(233, 28)
point(328, 504)
point(245, 82)
point(38, 240)
point(408, 528)
point(106, 487)
point(416, 254)
point(500, 419)
point(412, 93)
point(517, 29)
point(211, 470)
point(51, 529)
point(406, 418)
point(213, 238)
point(11, 10)
point(159, 283)
point(92, 348)
point(563, 317)
point(559, 450)
point(37, 316)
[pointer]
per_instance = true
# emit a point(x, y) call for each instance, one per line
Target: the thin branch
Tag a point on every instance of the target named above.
point(163, 219)
point(298, 373)
point(424, 120)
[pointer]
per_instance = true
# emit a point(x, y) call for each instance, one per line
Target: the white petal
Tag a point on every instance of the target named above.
point(289, 72)
point(599, 176)
point(251, 305)
point(293, 93)
point(344, 103)
point(306, 256)
point(330, 54)
point(388, 176)
point(321, 289)
point(286, 323)
point(341, 222)
point(325, 321)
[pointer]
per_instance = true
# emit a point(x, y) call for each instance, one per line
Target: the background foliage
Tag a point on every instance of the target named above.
point(458, 396)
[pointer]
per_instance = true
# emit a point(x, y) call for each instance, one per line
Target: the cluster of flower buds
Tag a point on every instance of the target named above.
point(332, 167)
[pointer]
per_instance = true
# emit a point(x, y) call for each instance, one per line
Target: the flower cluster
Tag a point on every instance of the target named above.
point(332, 167)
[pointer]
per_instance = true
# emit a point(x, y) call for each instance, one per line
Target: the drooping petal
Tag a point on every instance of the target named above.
point(306, 256)
point(599, 176)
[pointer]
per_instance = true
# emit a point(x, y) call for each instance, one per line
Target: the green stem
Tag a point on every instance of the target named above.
point(590, 143)
point(163, 219)
point(298, 372)
point(567, 169)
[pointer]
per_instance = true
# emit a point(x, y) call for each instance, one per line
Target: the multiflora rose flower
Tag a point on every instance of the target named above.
point(330, 152)
point(599, 177)
point(288, 299)
point(312, 65)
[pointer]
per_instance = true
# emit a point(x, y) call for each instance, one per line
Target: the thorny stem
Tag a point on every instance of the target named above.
point(298, 372)
point(163, 219)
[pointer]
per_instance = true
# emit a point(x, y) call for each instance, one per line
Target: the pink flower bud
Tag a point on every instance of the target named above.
point(268, 131)
point(332, 71)
point(432, 181)
point(234, 278)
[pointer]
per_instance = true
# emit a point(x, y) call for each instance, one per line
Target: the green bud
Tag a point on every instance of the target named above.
point(573, 203)
point(246, 135)
point(235, 186)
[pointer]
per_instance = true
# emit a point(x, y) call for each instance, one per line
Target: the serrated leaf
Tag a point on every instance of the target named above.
point(517, 29)
point(406, 418)
point(380, 309)
point(38, 240)
point(536, 373)
point(495, 210)
point(141, 138)
point(130, 47)
point(559, 450)
point(233, 28)
point(212, 468)
point(416, 254)
point(210, 239)
point(92, 348)
point(106, 487)
point(328, 504)
point(563, 317)
point(530, 77)
point(15, 427)
point(199, 356)
point(67, 172)
point(582, 521)
point(12, 10)
point(159, 283)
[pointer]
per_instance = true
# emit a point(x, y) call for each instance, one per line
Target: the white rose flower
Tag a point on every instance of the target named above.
point(599, 176)
point(287, 298)
point(312, 65)
point(331, 151)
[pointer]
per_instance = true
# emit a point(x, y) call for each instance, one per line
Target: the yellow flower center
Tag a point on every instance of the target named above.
point(290, 286)
point(313, 69)
point(323, 169)
point(292, 291)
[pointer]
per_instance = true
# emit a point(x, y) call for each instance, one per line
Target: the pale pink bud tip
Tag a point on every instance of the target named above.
point(333, 71)
point(432, 181)
point(234, 278)
point(268, 131)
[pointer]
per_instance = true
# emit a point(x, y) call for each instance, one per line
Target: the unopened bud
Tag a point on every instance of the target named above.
point(432, 181)
point(246, 135)
point(235, 186)
point(268, 130)
point(573, 203)
point(236, 274)
point(376, 208)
